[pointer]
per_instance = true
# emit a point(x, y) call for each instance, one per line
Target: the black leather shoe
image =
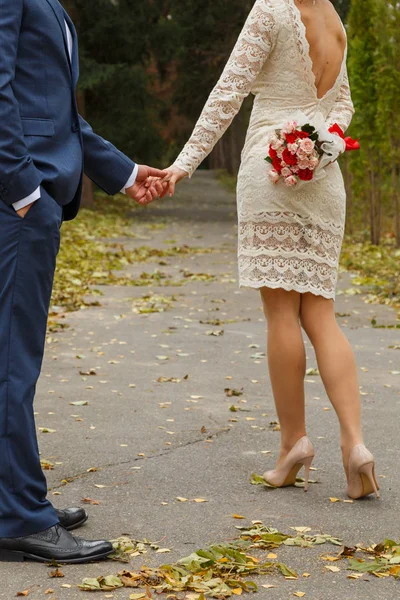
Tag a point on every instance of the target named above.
point(53, 544)
point(72, 518)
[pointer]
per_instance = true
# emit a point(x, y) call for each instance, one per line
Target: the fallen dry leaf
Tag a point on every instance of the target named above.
point(56, 573)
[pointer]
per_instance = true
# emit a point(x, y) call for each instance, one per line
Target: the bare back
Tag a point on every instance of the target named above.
point(326, 39)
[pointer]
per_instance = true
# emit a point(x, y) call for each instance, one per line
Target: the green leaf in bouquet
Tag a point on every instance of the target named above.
point(307, 128)
point(269, 160)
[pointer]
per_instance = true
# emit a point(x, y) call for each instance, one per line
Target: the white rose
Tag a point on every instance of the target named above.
point(293, 148)
point(291, 181)
point(274, 176)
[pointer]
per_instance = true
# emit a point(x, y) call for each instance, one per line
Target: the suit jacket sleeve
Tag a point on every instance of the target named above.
point(18, 174)
point(109, 168)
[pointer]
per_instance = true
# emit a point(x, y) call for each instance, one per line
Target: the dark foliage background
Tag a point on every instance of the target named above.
point(149, 65)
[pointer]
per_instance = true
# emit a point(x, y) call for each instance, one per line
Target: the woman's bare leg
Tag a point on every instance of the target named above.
point(337, 366)
point(287, 363)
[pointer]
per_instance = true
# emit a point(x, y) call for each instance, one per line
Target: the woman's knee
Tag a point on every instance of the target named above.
point(280, 305)
point(316, 312)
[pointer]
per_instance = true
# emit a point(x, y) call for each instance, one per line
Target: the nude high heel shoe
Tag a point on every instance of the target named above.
point(302, 454)
point(361, 480)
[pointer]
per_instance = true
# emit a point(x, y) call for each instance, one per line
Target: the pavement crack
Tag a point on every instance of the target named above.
point(166, 452)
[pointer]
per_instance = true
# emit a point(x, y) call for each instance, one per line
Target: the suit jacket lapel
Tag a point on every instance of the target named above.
point(59, 13)
point(75, 53)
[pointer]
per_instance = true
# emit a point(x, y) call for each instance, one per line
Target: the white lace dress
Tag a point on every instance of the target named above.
point(288, 238)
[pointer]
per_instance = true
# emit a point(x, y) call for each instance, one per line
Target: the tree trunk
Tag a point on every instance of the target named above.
point(375, 209)
point(395, 185)
point(87, 191)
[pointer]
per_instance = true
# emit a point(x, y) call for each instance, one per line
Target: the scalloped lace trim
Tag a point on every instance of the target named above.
point(284, 250)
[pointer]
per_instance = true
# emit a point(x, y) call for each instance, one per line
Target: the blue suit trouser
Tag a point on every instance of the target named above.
point(28, 250)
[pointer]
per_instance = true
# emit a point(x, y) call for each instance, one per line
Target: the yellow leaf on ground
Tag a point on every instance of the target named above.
point(299, 594)
point(180, 499)
point(199, 500)
point(335, 499)
point(269, 586)
point(238, 517)
point(237, 591)
point(272, 555)
point(332, 568)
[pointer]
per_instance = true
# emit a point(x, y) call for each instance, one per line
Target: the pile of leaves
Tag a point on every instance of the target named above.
point(378, 269)
point(92, 252)
point(85, 259)
point(383, 560)
point(219, 571)
point(223, 570)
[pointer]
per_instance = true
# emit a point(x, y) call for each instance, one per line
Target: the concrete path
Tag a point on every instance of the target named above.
point(139, 444)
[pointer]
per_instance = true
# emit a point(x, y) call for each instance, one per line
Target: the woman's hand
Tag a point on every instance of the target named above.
point(174, 176)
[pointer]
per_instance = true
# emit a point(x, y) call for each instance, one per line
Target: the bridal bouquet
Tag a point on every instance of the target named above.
point(301, 150)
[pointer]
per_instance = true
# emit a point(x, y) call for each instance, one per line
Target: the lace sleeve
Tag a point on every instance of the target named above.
point(244, 65)
point(343, 109)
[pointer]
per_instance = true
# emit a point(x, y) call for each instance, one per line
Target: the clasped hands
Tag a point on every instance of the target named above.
point(153, 183)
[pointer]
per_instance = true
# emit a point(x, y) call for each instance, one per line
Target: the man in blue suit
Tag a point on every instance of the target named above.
point(45, 147)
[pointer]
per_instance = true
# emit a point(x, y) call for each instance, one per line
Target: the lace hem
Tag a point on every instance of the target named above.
point(289, 251)
point(288, 287)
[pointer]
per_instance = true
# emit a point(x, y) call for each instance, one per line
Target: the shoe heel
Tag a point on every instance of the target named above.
point(368, 471)
point(307, 466)
point(10, 556)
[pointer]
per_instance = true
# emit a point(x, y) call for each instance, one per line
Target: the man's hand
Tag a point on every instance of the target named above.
point(24, 211)
point(146, 188)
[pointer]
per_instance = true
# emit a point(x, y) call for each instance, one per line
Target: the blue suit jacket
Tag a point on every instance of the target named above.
point(43, 139)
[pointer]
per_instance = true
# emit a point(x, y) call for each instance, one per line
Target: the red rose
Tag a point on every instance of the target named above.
point(305, 174)
point(272, 153)
point(303, 134)
point(291, 137)
point(277, 164)
point(289, 158)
